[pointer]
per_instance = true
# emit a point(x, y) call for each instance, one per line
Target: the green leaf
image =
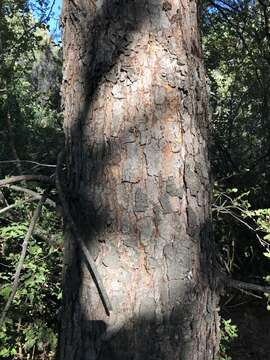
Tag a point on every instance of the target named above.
point(267, 237)
point(5, 291)
point(5, 352)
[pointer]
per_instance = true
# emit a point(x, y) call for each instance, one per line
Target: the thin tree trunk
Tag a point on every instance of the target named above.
point(136, 119)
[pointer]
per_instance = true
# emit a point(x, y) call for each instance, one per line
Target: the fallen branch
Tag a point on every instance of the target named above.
point(94, 272)
point(14, 179)
point(30, 231)
point(236, 284)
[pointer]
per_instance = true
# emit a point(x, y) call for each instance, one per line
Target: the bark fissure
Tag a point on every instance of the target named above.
point(136, 141)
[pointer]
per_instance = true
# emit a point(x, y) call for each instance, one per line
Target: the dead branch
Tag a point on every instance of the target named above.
point(30, 231)
point(241, 285)
point(32, 193)
point(14, 179)
point(38, 164)
point(94, 272)
point(9, 207)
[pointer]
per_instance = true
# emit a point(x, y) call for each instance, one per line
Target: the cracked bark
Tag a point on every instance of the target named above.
point(136, 126)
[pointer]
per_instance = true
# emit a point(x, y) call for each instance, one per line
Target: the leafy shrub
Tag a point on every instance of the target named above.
point(228, 332)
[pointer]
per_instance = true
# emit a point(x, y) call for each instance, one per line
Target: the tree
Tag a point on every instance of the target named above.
point(137, 193)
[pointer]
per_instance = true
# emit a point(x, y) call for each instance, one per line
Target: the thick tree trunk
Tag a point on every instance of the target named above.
point(138, 183)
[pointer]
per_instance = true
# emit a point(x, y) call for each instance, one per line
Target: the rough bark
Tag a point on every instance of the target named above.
point(135, 109)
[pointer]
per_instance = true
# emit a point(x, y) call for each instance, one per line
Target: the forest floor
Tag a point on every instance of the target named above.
point(253, 323)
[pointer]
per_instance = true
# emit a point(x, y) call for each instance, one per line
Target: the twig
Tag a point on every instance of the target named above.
point(236, 305)
point(238, 219)
point(94, 272)
point(30, 231)
point(249, 293)
point(14, 179)
point(7, 208)
point(34, 194)
point(27, 162)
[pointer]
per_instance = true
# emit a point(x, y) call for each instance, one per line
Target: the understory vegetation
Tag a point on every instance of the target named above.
point(236, 44)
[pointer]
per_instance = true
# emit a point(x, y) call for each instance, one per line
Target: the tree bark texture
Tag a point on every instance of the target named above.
point(136, 127)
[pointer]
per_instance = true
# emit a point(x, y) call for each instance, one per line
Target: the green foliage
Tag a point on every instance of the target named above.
point(30, 77)
point(228, 332)
point(233, 215)
point(30, 128)
point(30, 327)
point(262, 219)
point(236, 45)
point(237, 51)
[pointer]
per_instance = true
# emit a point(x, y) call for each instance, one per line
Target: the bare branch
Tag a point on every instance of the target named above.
point(231, 283)
point(14, 179)
point(94, 272)
point(28, 162)
point(32, 193)
point(30, 231)
point(7, 208)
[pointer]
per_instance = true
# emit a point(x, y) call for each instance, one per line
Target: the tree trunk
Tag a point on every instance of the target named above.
point(136, 126)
